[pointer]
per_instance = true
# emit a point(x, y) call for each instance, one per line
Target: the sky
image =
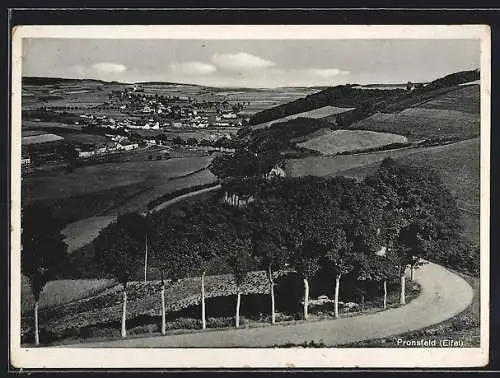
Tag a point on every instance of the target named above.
point(250, 63)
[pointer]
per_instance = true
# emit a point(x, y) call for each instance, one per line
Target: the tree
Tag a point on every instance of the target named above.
point(342, 259)
point(418, 211)
point(43, 251)
point(379, 267)
point(208, 235)
point(173, 252)
point(239, 258)
point(177, 140)
point(119, 250)
point(268, 247)
point(305, 259)
point(191, 141)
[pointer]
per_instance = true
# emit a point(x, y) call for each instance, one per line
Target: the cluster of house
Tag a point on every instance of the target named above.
point(104, 121)
point(116, 143)
point(173, 111)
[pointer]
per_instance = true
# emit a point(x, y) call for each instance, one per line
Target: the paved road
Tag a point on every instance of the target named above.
point(443, 295)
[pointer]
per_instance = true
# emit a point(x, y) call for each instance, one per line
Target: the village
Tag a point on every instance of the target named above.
point(152, 111)
point(133, 120)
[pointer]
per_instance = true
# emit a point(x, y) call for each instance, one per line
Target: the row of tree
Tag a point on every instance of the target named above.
point(372, 231)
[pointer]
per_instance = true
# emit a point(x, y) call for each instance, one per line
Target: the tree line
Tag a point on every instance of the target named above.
point(372, 230)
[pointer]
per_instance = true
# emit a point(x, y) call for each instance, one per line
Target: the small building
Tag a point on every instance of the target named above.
point(276, 171)
point(128, 147)
point(84, 152)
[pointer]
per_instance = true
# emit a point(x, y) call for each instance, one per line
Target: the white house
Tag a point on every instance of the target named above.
point(276, 171)
point(128, 147)
point(84, 153)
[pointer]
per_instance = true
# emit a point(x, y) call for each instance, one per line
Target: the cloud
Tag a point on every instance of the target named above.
point(325, 72)
point(192, 68)
point(108, 68)
point(240, 62)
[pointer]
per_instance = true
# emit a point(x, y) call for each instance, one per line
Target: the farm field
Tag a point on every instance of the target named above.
point(452, 114)
point(108, 175)
point(41, 138)
point(420, 123)
point(60, 292)
point(464, 100)
point(83, 231)
point(84, 93)
point(337, 165)
point(323, 112)
point(331, 142)
point(260, 99)
point(41, 125)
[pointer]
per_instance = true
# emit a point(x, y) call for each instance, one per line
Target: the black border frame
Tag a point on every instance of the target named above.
point(227, 14)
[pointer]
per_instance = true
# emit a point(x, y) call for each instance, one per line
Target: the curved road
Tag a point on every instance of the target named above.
point(444, 294)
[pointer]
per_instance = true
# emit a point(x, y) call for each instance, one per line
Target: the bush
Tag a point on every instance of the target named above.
point(465, 321)
point(97, 332)
point(184, 323)
point(225, 322)
point(144, 329)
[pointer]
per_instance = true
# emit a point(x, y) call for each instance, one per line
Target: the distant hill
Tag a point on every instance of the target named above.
point(166, 83)
point(366, 101)
point(33, 80)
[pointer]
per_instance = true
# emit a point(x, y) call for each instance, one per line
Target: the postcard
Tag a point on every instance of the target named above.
point(250, 196)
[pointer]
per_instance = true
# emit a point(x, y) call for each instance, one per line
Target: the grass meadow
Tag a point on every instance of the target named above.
point(332, 142)
point(61, 292)
point(452, 114)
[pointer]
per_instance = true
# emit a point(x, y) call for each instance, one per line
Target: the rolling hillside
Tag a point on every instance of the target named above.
point(366, 101)
point(452, 114)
